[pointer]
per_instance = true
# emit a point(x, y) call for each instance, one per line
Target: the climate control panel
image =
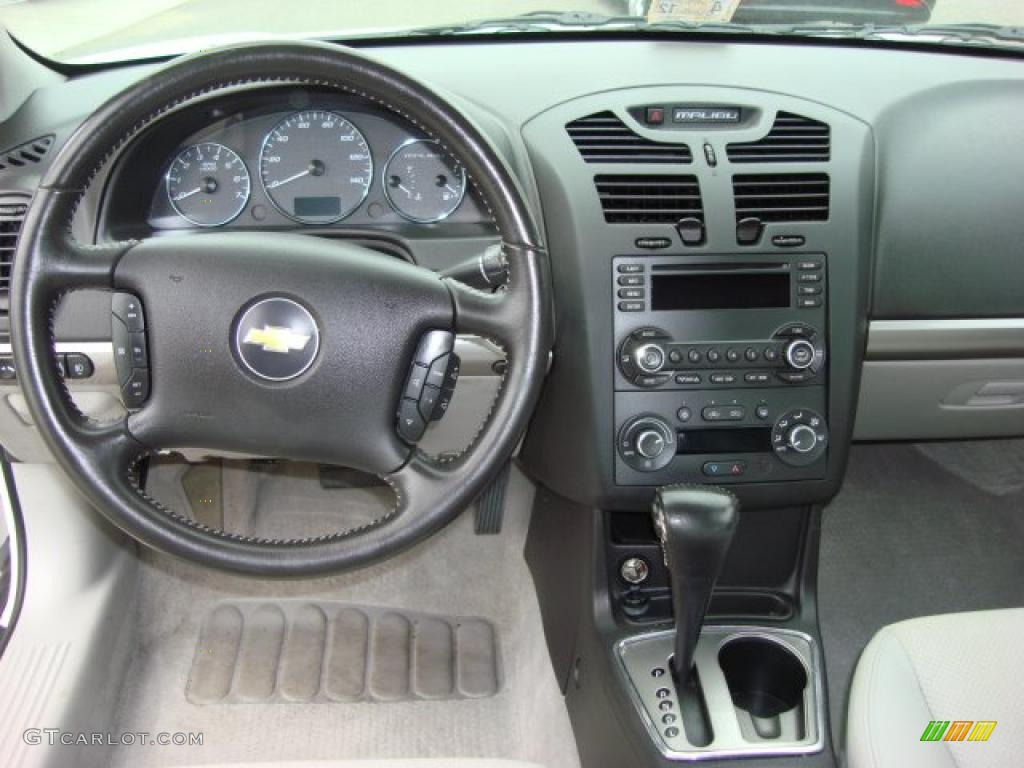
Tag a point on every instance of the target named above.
point(726, 436)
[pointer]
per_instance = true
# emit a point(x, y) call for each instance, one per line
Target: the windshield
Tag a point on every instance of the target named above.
point(83, 31)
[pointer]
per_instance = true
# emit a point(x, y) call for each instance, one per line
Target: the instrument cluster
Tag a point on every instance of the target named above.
point(317, 166)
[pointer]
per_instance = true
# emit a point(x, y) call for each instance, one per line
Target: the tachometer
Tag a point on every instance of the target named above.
point(208, 184)
point(316, 167)
point(422, 183)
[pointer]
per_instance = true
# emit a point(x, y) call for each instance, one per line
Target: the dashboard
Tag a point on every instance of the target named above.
point(684, 252)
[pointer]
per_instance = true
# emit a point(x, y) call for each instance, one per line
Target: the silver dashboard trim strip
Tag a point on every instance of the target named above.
point(945, 339)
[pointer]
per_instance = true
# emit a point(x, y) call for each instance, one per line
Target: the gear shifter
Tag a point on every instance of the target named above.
point(695, 525)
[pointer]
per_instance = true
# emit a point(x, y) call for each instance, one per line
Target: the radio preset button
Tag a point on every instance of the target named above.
point(732, 355)
point(714, 355)
point(771, 354)
point(694, 356)
point(675, 356)
point(750, 354)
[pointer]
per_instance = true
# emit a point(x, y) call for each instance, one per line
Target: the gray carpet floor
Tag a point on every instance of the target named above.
point(917, 530)
point(453, 573)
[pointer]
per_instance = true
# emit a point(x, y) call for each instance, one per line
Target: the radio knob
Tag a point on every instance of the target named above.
point(800, 354)
point(650, 443)
point(802, 439)
point(649, 358)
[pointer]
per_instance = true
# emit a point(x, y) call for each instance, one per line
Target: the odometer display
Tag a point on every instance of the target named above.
point(316, 167)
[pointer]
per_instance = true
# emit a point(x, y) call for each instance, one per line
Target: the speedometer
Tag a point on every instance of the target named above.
point(316, 167)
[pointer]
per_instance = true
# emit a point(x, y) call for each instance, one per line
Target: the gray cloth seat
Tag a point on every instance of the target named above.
point(955, 667)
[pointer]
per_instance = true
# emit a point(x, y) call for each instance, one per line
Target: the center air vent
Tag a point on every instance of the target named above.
point(29, 153)
point(771, 197)
point(792, 139)
point(603, 138)
point(649, 199)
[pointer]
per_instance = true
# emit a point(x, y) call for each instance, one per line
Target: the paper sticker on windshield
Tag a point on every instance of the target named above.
point(692, 10)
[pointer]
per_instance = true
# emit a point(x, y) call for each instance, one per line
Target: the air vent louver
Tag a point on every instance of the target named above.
point(773, 197)
point(29, 153)
point(603, 138)
point(13, 207)
point(649, 199)
point(792, 139)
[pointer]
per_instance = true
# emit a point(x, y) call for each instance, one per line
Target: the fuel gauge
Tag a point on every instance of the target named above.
point(422, 183)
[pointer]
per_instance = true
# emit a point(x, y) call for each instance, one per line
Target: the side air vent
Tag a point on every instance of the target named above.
point(772, 197)
point(603, 138)
point(29, 153)
point(13, 206)
point(649, 199)
point(792, 139)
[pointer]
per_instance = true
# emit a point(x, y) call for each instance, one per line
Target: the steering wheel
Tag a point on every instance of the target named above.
point(363, 316)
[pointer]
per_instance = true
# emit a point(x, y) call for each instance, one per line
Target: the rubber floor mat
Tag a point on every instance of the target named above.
point(302, 651)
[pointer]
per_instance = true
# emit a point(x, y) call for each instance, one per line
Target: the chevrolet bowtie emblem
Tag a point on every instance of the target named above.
point(276, 339)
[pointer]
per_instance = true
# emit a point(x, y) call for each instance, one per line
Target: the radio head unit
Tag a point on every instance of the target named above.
point(720, 368)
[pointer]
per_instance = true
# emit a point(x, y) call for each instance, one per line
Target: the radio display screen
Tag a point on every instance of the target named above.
point(720, 291)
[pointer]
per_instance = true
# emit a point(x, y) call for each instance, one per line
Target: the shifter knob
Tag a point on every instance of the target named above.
point(695, 525)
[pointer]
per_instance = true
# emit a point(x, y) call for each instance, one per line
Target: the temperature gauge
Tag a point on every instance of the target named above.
point(422, 183)
point(208, 184)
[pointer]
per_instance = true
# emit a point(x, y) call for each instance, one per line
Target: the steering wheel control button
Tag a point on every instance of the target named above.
point(417, 380)
point(799, 437)
point(276, 339)
point(411, 424)
point(135, 391)
point(430, 386)
point(78, 366)
point(129, 309)
point(137, 349)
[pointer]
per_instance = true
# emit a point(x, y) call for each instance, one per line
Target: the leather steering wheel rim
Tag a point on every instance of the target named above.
point(102, 459)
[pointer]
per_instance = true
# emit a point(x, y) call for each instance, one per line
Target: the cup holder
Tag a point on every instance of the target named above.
point(765, 678)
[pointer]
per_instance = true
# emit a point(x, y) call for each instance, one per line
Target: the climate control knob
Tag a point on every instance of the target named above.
point(647, 443)
point(800, 354)
point(802, 439)
point(799, 437)
point(650, 443)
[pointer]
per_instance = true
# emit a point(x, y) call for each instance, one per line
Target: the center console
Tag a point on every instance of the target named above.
point(721, 368)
